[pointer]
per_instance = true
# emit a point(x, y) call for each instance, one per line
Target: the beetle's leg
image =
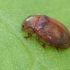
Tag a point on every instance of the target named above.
point(38, 39)
point(57, 49)
point(29, 35)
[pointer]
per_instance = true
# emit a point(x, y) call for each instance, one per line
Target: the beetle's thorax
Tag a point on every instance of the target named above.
point(42, 21)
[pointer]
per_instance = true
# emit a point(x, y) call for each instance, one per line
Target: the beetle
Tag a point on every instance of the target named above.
point(47, 28)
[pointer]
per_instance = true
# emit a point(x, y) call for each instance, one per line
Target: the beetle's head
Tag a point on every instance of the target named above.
point(29, 23)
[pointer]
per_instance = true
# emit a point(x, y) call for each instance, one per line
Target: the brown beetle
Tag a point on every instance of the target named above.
point(49, 29)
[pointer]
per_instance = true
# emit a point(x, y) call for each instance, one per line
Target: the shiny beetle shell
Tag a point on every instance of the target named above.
point(47, 28)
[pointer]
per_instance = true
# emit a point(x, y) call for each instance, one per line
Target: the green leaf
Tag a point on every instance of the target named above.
point(16, 53)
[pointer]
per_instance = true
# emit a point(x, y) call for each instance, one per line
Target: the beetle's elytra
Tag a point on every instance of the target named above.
point(47, 28)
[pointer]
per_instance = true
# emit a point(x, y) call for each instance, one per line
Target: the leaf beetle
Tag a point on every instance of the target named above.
point(47, 28)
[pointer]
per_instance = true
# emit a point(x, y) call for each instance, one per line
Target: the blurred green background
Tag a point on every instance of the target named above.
point(16, 53)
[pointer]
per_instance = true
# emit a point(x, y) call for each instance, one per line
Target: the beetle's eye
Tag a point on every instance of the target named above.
point(22, 26)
